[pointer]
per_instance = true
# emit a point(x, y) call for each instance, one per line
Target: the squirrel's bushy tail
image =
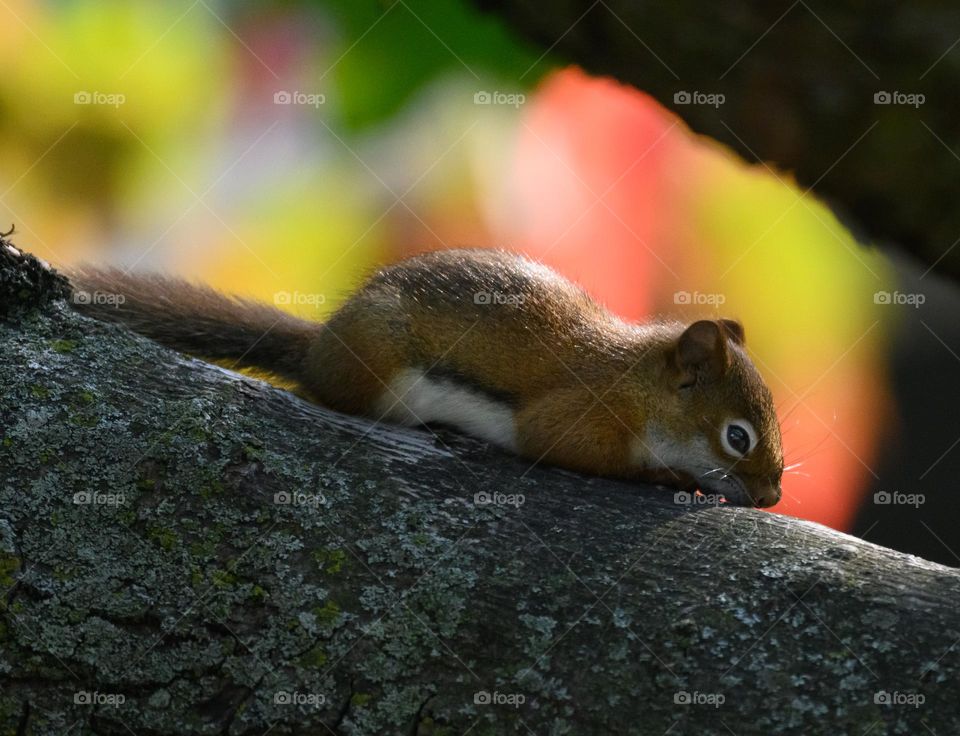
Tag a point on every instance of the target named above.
point(196, 319)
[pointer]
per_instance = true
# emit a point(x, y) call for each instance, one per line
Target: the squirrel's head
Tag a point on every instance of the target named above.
point(723, 416)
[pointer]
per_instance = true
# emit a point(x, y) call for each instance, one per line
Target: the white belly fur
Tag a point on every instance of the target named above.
point(415, 398)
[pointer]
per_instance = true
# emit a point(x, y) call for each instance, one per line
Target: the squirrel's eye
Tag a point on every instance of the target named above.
point(738, 437)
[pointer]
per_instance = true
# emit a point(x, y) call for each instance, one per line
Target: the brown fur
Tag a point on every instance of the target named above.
point(196, 319)
point(583, 384)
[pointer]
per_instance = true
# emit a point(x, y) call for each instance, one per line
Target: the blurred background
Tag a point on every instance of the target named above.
point(282, 150)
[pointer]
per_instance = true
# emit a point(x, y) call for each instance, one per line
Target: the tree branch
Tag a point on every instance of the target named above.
point(189, 551)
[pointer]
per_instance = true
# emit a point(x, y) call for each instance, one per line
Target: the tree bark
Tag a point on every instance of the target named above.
point(830, 91)
point(185, 550)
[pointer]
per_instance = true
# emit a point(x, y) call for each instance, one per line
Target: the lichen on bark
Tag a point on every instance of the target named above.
point(185, 550)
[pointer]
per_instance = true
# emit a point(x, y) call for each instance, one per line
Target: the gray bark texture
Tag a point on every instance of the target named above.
point(185, 550)
point(818, 88)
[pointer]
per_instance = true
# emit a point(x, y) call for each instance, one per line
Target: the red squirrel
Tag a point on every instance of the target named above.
point(502, 348)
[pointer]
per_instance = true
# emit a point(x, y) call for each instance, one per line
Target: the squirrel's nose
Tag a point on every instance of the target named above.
point(768, 496)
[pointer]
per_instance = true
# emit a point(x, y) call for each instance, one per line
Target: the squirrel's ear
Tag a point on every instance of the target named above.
point(734, 330)
point(702, 352)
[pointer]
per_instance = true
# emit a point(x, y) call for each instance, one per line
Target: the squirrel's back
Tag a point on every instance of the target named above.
point(490, 319)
